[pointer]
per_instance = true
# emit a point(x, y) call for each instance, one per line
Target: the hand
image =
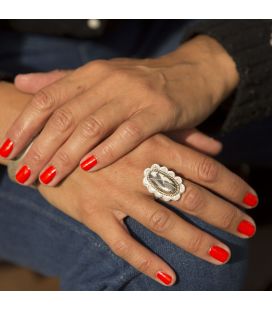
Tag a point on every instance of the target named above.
point(103, 200)
point(110, 107)
point(82, 197)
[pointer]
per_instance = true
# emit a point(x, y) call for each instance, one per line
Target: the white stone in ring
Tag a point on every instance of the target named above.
point(163, 183)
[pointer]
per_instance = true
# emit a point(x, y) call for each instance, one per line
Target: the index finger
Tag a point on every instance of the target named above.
point(30, 122)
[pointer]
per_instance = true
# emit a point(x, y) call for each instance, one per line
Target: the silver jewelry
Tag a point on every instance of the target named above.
point(163, 183)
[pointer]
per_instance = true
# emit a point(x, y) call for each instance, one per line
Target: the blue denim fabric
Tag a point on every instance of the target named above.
point(35, 234)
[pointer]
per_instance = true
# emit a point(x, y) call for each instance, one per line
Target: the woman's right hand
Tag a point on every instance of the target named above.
point(103, 199)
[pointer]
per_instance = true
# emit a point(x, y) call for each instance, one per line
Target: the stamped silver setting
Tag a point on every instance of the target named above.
point(163, 183)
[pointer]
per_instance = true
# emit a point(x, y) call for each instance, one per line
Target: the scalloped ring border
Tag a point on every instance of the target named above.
point(169, 174)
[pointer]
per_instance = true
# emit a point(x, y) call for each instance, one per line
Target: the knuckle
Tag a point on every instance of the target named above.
point(35, 155)
point(43, 101)
point(172, 112)
point(160, 221)
point(99, 65)
point(131, 130)
point(193, 200)
point(157, 140)
point(228, 218)
point(64, 159)
point(88, 213)
point(62, 120)
point(208, 170)
point(120, 75)
point(143, 264)
point(120, 248)
point(146, 149)
point(91, 127)
point(108, 151)
point(195, 242)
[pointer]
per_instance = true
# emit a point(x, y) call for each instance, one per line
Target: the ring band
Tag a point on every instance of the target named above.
point(163, 183)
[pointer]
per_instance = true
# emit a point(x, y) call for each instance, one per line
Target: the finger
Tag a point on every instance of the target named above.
point(170, 226)
point(61, 124)
point(88, 133)
point(207, 172)
point(123, 245)
point(126, 137)
point(33, 82)
point(213, 210)
point(44, 102)
point(197, 140)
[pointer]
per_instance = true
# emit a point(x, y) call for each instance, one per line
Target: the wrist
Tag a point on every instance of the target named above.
point(216, 67)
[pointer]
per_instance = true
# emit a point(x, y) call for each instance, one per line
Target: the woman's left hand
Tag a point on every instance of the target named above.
point(109, 107)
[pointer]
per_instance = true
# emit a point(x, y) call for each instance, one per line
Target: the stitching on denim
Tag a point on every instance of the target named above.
point(36, 208)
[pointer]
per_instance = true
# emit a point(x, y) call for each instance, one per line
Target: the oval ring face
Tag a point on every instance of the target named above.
point(163, 183)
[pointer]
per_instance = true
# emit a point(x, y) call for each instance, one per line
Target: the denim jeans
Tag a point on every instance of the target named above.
point(35, 234)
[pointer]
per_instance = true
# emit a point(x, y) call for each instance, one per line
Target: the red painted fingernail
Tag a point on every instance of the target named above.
point(6, 148)
point(246, 228)
point(250, 199)
point(164, 277)
point(219, 253)
point(89, 163)
point(23, 174)
point(48, 175)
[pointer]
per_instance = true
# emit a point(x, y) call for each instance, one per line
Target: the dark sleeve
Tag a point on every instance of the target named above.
point(5, 76)
point(249, 44)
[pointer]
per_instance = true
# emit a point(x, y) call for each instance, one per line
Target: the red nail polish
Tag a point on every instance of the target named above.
point(6, 148)
point(219, 253)
point(89, 163)
point(48, 175)
point(246, 228)
point(164, 277)
point(23, 174)
point(250, 199)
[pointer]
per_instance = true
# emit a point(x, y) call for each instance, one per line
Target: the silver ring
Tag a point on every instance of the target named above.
point(163, 183)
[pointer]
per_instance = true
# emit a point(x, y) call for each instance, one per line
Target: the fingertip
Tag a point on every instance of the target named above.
point(24, 82)
point(48, 175)
point(246, 228)
point(22, 78)
point(251, 199)
point(165, 278)
point(88, 163)
point(220, 254)
point(216, 147)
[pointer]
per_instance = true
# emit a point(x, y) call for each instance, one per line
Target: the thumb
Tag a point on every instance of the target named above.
point(197, 140)
point(33, 82)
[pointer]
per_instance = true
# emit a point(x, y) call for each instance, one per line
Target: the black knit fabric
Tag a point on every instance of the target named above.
point(7, 77)
point(248, 43)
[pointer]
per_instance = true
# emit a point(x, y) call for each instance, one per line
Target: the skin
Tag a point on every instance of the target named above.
point(212, 191)
point(75, 112)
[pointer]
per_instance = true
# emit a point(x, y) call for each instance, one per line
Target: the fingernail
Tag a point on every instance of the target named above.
point(250, 199)
point(6, 148)
point(23, 174)
point(219, 253)
point(89, 163)
point(164, 277)
point(48, 175)
point(246, 228)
